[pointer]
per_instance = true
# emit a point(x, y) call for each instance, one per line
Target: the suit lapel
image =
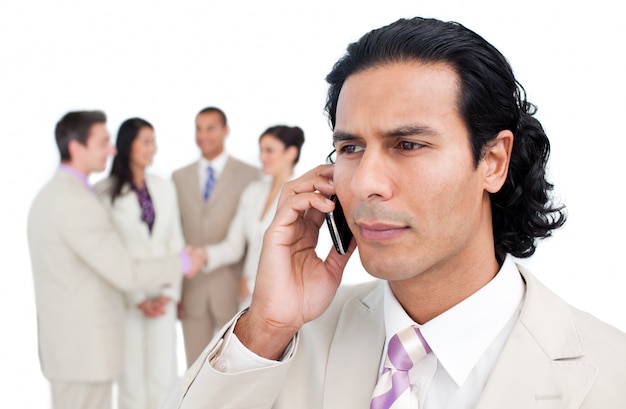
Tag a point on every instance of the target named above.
point(538, 366)
point(191, 185)
point(157, 201)
point(354, 358)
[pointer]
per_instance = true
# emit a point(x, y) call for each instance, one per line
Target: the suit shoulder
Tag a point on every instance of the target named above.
point(597, 335)
point(244, 167)
point(103, 186)
point(158, 181)
point(61, 188)
point(256, 186)
point(159, 186)
point(62, 200)
point(185, 169)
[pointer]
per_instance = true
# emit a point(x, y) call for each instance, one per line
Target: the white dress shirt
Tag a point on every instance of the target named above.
point(462, 358)
point(466, 341)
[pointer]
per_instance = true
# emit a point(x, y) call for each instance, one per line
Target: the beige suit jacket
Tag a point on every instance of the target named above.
point(556, 357)
point(207, 223)
point(166, 238)
point(80, 268)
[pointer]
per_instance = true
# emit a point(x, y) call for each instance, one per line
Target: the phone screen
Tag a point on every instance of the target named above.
point(338, 227)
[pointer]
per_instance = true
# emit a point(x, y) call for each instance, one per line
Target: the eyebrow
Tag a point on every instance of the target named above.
point(405, 130)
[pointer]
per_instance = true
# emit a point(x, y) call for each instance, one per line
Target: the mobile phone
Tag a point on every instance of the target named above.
point(338, 227)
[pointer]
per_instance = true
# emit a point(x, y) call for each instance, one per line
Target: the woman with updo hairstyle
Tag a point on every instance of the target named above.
point(280, 147)
point(144, 209)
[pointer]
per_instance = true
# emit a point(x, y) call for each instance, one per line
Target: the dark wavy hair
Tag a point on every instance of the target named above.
point(288, 135)
point(121, 173)
point(490, 100)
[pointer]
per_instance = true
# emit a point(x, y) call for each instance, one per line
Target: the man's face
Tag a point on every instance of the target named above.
point(93, 156)
point(210, 134)
point(404, 171)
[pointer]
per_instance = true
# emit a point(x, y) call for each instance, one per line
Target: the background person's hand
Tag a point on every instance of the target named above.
point(198, 258)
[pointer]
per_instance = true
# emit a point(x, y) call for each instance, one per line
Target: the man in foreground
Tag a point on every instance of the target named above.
point(440, 169)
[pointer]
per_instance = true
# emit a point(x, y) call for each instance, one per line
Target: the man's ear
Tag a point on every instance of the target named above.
point(496, 158)
point(74, 148)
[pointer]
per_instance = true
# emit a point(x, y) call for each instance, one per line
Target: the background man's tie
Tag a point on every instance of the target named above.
point(405, 348)
point(210, 181)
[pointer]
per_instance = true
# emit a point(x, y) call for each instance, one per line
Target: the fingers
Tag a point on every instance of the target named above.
point(336, 261)
point(198, 257)
point(317, 181)
point(306, 196)
point(152, 308)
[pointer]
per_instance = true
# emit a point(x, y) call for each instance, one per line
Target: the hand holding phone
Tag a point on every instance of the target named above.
point(338, 227)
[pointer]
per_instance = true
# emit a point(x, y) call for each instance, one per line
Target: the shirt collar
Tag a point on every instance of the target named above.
point(452, 335)
point(217, 164)
point(72, 171)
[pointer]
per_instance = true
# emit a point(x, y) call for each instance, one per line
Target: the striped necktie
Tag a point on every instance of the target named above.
point(210, 182)
point(405, 348)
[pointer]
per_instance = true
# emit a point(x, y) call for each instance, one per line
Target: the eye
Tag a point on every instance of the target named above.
point(349, 149)
point(410, 145)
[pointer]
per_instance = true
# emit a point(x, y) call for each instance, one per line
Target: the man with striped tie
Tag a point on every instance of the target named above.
point(440, 167)
point(208, 192)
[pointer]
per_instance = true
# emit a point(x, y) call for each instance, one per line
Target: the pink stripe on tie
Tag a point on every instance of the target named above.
point(405, 349)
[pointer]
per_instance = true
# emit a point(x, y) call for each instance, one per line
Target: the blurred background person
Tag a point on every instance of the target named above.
point(145, 211)
point(279, 147)
point(209, 190)
point(81, 268)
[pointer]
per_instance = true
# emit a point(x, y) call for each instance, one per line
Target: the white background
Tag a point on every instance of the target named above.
point(264, 63)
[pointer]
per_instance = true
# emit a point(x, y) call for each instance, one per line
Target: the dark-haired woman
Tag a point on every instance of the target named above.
point(145, 210)
point(279, 153)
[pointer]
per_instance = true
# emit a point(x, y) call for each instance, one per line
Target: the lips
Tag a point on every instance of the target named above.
point(380, 231)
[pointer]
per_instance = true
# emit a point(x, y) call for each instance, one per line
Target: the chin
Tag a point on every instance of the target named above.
point(376, 265)
point(386, 267)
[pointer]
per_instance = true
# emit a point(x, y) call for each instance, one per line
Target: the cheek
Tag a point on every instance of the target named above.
point(341, 179)
point(452, 199)
point(135, 154)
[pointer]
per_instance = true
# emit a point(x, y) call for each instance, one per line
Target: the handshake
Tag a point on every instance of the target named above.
point(198, 258)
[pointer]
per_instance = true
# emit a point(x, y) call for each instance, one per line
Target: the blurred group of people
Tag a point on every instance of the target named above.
point(109, 260)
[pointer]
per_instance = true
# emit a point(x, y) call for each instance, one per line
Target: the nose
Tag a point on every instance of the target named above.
point(372, 178)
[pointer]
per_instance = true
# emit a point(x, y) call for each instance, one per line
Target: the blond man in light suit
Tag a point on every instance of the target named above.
point(210, 300)
point(440, 168)
point(81, 269)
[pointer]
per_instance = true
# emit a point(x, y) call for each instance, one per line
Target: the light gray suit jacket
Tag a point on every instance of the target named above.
point(556, 357)
point(81, 268)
